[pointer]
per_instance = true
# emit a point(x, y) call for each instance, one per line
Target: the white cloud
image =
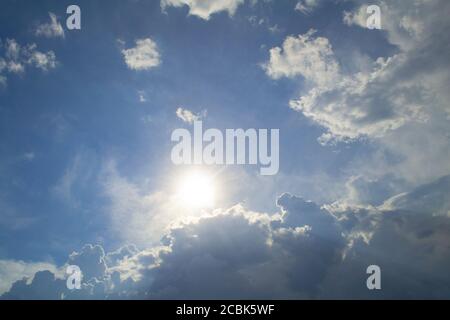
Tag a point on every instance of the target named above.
point(15, 67)
point(417, 75)
point(91, 260)
point(356, 106)
point(305, 56)
point(306, 6)
point(144, 56)
point(17, 58)
point(306, 250)
point(13, 49)
point(189, 116)
point(393, 93)
point(51, 29)
point(357, 17)
point(43, 61)
point(204, 9)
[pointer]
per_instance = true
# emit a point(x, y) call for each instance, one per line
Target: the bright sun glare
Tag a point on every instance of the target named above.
point(196, 190)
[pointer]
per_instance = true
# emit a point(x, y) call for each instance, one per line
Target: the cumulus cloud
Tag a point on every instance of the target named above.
point(303, 251)
point(48, 285)
point(143, 56)
point(17, 58)
point(204, 9)
point(304, 55)
point(231, 251)
point(12, 271)
point(415, 77)
point(188, 116)
point(91, 259)
point(407, 236)
point(53, 29)
point(393, 92)
point(348, 106)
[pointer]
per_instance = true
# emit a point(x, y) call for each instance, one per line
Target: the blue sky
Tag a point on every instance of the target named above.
point(85, 141)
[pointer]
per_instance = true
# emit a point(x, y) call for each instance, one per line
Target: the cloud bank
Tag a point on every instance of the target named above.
point(303, 251)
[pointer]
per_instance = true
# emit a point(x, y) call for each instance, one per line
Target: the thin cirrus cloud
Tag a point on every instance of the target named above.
point(144, 56)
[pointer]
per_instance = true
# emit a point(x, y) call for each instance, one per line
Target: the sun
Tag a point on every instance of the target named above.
point(196, 189)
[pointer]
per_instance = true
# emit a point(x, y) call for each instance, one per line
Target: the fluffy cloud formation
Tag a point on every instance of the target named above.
point(142, 57)
point(304, 251)
point(348, 106)
point(17, 57)
point(416, 74)
point(12, 271)
point(51, 29)
point(384, 96)
point(204, 9)
point(305, 56)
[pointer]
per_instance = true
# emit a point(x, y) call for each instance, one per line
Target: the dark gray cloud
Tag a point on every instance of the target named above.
point(305, 251)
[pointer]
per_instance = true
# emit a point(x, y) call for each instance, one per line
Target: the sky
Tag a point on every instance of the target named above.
point(86, 118)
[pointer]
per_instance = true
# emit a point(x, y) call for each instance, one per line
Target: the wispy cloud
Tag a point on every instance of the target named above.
point(53, 29)
point(188, 116)
point(245, 247)
point(17, 58)
point(306, 6)
point(142, 96)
